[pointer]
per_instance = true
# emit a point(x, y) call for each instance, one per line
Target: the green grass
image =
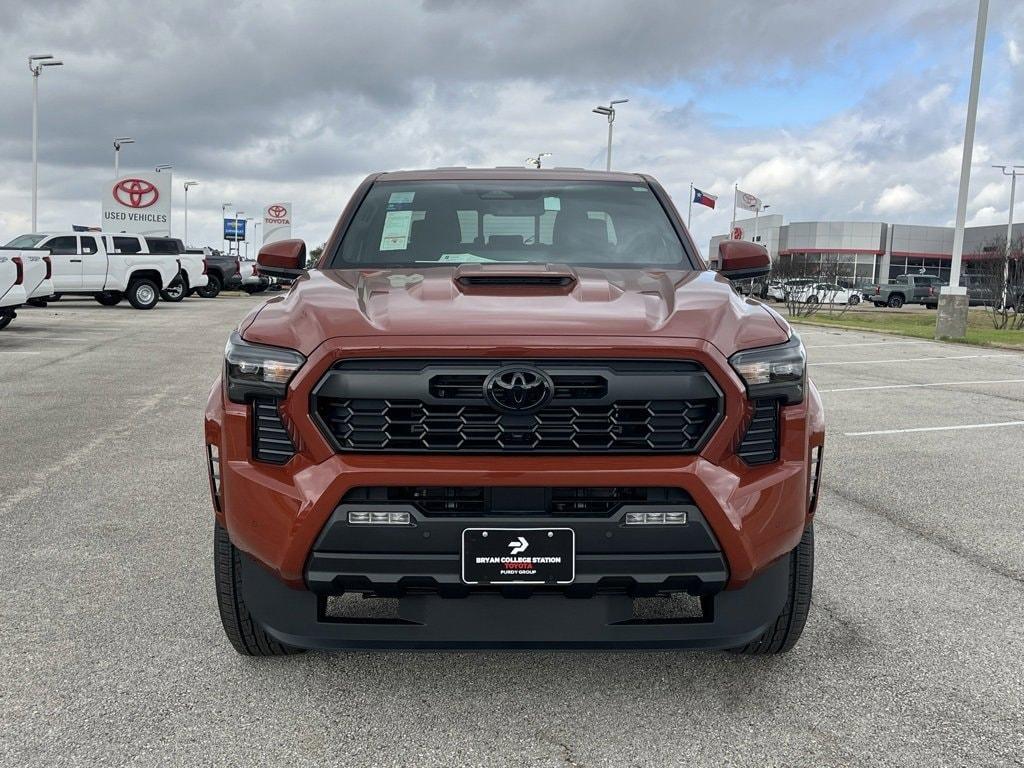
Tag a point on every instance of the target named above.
point(918, 324)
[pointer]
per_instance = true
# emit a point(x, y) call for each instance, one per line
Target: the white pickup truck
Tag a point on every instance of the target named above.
point(12, 285)
point(193, 274)
point(107, 266)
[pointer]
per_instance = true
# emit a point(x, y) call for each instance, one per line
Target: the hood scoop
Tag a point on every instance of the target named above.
point(515, 276)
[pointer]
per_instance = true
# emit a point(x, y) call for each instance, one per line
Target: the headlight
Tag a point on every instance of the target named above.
point(252, 370)
point(774, 372)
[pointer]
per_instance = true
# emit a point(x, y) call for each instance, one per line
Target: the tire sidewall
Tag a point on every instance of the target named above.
point(150, 294)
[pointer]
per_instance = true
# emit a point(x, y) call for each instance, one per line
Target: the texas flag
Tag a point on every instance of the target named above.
point(703, 198)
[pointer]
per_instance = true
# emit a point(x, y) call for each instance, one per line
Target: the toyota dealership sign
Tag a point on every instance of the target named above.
point(139, 203)
point(277, 222)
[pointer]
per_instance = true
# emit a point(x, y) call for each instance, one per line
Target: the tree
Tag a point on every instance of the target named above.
point(314, 255)
point(996, 280)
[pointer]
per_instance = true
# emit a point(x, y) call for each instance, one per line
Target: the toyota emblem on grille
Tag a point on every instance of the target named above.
point(518, 389)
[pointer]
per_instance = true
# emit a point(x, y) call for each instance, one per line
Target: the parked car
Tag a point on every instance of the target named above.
point(12, 285)
point(903, 289)
point(106, 266)
point(824, 293)
point(252, 281)
point(513, 436)
point(222, 271)
point(980, 293)
point(193, 267)
point(780, 290)
point(38, 269)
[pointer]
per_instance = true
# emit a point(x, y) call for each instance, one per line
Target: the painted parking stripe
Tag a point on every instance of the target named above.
point(936, 429)
point(930, 384)
point(866, 344)
point(906, 360)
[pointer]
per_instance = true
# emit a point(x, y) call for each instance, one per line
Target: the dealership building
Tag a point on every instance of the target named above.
point(866, 251)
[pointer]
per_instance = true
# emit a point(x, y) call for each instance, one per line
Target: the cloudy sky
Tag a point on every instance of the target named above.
point(831, 109)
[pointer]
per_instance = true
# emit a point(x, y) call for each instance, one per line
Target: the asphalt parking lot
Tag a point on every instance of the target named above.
point(113, 654)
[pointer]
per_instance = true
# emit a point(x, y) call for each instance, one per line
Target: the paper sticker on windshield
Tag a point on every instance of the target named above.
point(395, 236)
point(552, 203)
point(400, 201)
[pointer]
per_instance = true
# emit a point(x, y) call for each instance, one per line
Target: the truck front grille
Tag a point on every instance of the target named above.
point(408, 406)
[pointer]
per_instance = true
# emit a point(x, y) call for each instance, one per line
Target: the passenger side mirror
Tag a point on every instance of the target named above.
point(742, 260)
point(285, 258)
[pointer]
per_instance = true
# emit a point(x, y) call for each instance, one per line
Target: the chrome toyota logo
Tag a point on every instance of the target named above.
point(518, 389)
point(277, 211)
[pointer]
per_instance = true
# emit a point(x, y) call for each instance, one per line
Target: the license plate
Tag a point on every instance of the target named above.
point(518, 555)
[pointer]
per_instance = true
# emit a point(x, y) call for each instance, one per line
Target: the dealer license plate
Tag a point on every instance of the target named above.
point(518, 555)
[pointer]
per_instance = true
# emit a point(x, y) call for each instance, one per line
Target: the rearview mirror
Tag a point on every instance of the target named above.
point(743, 260)
point(284, 258)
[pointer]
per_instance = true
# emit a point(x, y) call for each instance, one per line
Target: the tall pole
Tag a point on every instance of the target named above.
point(689, 215)
point(1009, 235)
point(35, 144)
point(223, 215)
point(186, 214)
point(732, 229)
point(611, 122)
point(117, 152)
point(965, 162)
point(951, 321)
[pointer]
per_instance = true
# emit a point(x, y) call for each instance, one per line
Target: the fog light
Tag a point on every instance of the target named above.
point(379, 518)
point(655, 518)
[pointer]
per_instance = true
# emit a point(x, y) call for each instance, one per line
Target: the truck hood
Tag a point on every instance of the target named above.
point(520, 301)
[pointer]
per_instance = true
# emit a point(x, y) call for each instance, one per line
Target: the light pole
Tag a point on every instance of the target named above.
point(951, 321)
point(609, 112)
point(36, 62)
point(247, 238)
point(119, 142)
point(187, 185)
point(170, 192)
point(535, 162)
point(1012, 173)
point(223, 215)
point(238, 248)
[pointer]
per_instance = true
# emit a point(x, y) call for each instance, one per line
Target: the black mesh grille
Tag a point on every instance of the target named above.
point(271, 441)
point(594, 406)
point(486, 500)
point(405, 425)
point(760, 443)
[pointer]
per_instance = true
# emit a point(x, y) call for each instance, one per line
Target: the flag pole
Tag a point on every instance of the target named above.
point(735, 189)
point(689, 216)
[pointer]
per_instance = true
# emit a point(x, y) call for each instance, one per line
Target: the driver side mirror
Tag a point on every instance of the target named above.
point(284, 258)
point(743, 260)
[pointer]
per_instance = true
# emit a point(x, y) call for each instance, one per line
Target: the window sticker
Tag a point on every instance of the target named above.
point(400, 201)
point(552, 203)
point(395, 235)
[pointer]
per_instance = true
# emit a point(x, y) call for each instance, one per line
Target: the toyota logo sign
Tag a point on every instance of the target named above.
point(136, 193)
point(518, 389)
point(277, 211)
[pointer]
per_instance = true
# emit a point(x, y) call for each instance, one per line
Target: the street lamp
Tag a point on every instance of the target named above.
point(119, 142)
point(535, 162)
point(248, 219)
point(762, 207)
point(223, 215)
point(187, 185)
point(170, 193)
point(1012, 173)
point(951, 321)
point(609, 112)
point(36, 62)
point(238, 248)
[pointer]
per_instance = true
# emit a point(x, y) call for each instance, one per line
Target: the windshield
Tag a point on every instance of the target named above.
point(459, 222)
point(25, 241)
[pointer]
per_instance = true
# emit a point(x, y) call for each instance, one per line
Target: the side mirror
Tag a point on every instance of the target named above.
point(285, 258)
point(742, 260)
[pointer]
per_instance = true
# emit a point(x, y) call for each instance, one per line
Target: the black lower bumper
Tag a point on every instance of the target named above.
point(297, 617)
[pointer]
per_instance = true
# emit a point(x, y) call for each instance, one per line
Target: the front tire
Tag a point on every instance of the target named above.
point(244, 633)
point(143, 294)
point(854, 300)
point(176, 291)
point(783, 633)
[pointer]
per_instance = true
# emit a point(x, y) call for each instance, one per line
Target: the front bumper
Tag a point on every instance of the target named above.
point(297, 617)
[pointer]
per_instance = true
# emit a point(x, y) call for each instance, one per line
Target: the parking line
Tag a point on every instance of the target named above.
point(935, 429)
point(930, 384)
point(867, 344)
point(906, 359)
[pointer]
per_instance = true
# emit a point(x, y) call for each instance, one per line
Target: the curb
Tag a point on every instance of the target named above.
point(844, 327)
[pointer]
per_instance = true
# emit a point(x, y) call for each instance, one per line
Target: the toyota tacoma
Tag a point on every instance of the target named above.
point(516, 410)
